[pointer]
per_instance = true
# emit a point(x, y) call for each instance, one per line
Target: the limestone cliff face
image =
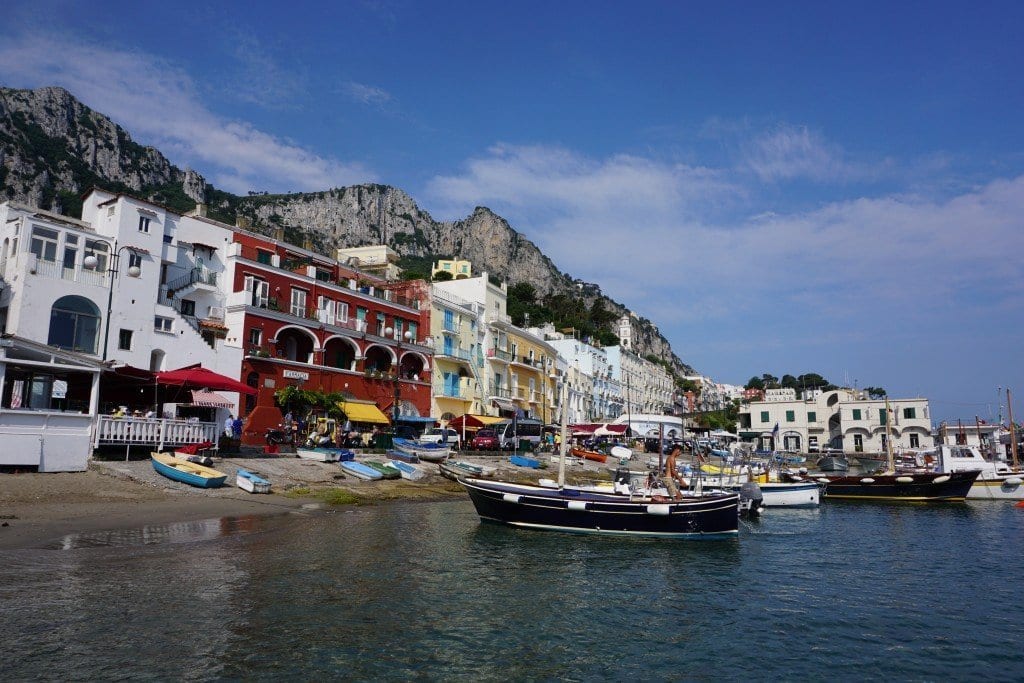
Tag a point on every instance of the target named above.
point(50, 143)
point(53, 148)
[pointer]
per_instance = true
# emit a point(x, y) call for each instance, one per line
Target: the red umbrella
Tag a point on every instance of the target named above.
point(198, 377)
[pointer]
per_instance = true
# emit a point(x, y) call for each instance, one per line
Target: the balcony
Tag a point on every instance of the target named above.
point(447, 391)
point(498, 354)
point(57, 271)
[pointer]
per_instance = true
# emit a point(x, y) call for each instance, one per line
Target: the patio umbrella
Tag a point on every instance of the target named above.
point(198, 377)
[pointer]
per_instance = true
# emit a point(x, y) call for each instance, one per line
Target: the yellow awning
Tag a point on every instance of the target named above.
point(489, 419)
point(363, 412)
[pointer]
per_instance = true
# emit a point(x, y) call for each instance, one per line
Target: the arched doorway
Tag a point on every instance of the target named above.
point(74, 324)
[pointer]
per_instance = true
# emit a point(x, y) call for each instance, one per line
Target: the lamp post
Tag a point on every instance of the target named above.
point(91, 262)
point(407, 335)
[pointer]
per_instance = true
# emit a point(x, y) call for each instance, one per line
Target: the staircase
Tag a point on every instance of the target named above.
point(191, 281)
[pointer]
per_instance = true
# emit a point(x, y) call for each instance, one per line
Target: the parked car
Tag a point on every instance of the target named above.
point(485, 440)
point(441, 435)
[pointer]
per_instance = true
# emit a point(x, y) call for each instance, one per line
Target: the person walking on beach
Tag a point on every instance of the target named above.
point(229, 423)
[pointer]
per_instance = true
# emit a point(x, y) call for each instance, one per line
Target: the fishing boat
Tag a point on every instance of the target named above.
point(997, 480)
point(788, 458)
point(588, 455)
point(796, 494)
point(833, 461)
point(871, 462)
point(359, 470)
point(251, 482)
point(408, 471)
point(709, 516)
point(524, 461)
point(187, 472)
point(385, 469)
point(892, 486)
point(431, 452)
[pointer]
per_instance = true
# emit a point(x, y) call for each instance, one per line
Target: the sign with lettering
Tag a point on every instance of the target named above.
point(60, 388)
point(295, 374)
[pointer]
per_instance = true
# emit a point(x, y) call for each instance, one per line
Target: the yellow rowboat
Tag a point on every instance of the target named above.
point(187, 472)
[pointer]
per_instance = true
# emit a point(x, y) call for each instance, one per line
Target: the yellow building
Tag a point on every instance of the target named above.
point(460, 270)
point(455, 325)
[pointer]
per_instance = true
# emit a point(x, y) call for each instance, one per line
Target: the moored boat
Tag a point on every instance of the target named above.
point(523, 461)
point(710, 516)
point(833, 462)
point(588, 455)
point(318, 454)
point(916, 487)
point(251, 482)
point(788, 494)
point(431, 452)
point(187, 472)
point(870, 463)
point(997, 480)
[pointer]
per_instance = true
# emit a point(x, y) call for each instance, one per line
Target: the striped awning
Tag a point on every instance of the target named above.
point(211, 399)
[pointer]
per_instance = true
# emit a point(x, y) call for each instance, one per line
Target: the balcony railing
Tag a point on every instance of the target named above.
point(153, 432)
point(57, 271)
point(498, 354)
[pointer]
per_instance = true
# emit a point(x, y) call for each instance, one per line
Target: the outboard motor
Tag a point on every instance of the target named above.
point(751, 500)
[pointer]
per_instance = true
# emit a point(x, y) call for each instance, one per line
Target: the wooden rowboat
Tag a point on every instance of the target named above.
point(251, 482)
point(588, 455)
point(187, 472)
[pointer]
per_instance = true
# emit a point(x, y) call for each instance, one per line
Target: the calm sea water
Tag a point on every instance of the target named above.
point(424, 591)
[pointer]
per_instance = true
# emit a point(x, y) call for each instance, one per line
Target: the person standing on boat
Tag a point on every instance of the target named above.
point(672, 480)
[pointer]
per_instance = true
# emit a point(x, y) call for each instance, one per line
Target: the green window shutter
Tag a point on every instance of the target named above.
point(909, 413)
point(790, 415)
point(764, 416)
point(882, 416)
point(812, 416)
point(856, 413)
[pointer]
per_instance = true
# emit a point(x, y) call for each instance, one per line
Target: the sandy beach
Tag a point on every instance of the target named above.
point(38, 508)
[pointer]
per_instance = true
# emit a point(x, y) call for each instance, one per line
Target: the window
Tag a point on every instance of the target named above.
point(74, 324)
point(380, 325)
point(812, 416)
point(914, 440)
point(255, 336)
point(259, 291)
point(764, 416)
point(858, 443)
point(70, 251)
point(882, 415)
point(263, 256)
point(134, 260)
point(188, 307)
point(44, 244)
point(124, 340)
point(162, 324)
point(413, 329)
point(909, 413)
point(144, 223)
point(856, 413)
point(790, 416)
point(298, 302)
point(341, 311)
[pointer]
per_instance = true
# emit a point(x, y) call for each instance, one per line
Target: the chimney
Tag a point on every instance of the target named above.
point(200, 210)
point(279, 234)
point(242, 222)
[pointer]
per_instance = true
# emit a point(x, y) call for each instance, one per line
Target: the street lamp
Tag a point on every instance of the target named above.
point(407, 335)
point(91, 262)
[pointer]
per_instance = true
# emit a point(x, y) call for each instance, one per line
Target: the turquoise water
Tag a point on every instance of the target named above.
point(424, 591)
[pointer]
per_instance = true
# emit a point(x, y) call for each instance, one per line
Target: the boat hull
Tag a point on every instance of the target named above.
point(187, 472)
point(318, 454)
point(409, 472)
point(833, 463)
point(534, 507)
point(428, 452)
point(784, 494)
point(928, 487)
point(999, 487)
point(360, 471)
point(253, 483)
point(588, 455)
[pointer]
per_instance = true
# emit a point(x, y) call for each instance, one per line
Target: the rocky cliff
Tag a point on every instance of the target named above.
point(53, 148)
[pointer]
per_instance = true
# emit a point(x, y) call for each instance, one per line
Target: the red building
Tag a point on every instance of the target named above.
point(305, 320)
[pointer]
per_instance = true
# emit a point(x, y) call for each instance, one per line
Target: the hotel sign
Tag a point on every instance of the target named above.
point(295, 374)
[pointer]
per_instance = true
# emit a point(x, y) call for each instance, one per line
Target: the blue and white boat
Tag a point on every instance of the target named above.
point(410, 472)
point(360, 471)
point(251, 482)
point(431, 452)
point(523, 461)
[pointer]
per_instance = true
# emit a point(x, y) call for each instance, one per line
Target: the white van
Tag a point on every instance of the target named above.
point(525, 430)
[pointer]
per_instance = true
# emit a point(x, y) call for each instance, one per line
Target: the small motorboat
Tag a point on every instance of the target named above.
point(187, 472)
point(360, 471)
point(251, 482)
point(588, 455)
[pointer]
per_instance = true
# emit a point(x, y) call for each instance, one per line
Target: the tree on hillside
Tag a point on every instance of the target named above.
point(754, 383)
point(770, 381)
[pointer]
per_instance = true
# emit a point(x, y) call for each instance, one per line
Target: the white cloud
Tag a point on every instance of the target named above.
point(642, 230)
point(791, 152)
point(367, 94)
point(157, 101)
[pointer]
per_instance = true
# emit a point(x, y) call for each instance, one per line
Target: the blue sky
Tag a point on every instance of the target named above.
point(780, 187)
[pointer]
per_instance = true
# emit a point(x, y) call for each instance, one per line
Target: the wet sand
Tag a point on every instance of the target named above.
point(40, 508)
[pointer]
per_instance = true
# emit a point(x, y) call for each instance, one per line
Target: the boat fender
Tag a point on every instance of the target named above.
point(941, 480)
point(867, 480)
point(577, 505)
point(1012, 481)
point(511, 498)
point(822, 480)
point(795, 478)
point(658, 509)
point(904, 480)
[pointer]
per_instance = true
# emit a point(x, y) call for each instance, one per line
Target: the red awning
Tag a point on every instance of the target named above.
point(198, 377)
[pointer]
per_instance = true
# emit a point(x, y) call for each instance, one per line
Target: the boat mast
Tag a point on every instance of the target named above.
point(888, 435)
point(562, 447)
point(1013, 430)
